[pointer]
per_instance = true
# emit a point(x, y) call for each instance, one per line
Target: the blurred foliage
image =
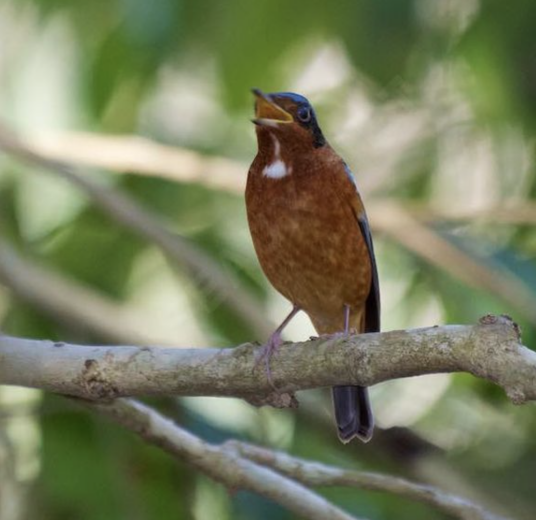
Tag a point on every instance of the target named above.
point(434, 106)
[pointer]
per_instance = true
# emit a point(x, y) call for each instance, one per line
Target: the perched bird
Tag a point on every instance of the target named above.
point(312, 237)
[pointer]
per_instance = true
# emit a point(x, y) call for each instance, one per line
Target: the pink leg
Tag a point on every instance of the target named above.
point(346, 320)
point(273, 343)
point(346, 331)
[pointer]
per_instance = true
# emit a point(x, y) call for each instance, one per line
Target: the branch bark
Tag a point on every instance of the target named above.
point(490, 350)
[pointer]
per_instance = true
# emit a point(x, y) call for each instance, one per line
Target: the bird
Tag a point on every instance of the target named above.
point(312, 237)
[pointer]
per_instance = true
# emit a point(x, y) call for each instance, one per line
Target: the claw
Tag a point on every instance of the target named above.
point(332, 335)
point(266, 353)
point(271, 346)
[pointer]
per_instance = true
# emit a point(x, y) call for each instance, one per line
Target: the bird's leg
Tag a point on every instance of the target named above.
point(346, 332)
point(346, 320)
point(273, 343)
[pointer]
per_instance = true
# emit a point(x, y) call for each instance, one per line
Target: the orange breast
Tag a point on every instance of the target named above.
point(308, 240)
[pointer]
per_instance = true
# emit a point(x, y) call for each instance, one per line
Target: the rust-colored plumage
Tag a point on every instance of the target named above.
point(311, 235)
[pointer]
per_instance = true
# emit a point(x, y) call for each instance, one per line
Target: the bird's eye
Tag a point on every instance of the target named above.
point(304, 114)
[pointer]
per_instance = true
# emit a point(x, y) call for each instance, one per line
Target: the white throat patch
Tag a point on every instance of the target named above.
point(277, 169)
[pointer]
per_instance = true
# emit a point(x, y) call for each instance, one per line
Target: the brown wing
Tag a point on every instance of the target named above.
point(353, 412)
point(372, 306)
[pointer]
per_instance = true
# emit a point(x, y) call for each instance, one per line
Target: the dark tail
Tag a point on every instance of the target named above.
point(353, 413)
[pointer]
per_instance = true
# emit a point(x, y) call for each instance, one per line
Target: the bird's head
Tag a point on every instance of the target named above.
point(289, 118)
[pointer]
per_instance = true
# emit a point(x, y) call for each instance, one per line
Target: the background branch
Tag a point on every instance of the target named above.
point(135, 154)
point(402, 227)
point(223, 465)
point(404, 224)
point(316, 474)
point(142, 222)
point(142, 156)
point(275, 475)
point(72, 304)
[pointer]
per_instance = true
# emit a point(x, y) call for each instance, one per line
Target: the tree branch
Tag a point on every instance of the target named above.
point(316, 474)
point(275, 475)
point(143, 156)
point(140, 155)
point(490, 350)
point(72, 303)
point(397, 223)
point(403, 224)
point(223, 465)
point(124, 210)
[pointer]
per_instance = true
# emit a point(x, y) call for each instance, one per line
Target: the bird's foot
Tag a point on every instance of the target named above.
point(332, 335)
point(335, 335)
point(266, 353)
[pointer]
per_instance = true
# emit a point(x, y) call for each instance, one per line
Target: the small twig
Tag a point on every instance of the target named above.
point(221, 464)
point(314, 474)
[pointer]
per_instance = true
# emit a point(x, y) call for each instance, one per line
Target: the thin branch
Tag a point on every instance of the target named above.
point(401, 223)
point(400, 226)
point(142, 156)
point(71, 303)
point(314, 474)
point(223, 465)
point(510, 212)
point(143, 223)
point(404, 225)
point(490, 350)
point(138, 155)
point(278, 476)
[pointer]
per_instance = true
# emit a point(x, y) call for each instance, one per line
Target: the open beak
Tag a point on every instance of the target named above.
point(267, 113)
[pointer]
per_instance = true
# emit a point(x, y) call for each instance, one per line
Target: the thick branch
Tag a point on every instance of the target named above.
point(490, 350)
